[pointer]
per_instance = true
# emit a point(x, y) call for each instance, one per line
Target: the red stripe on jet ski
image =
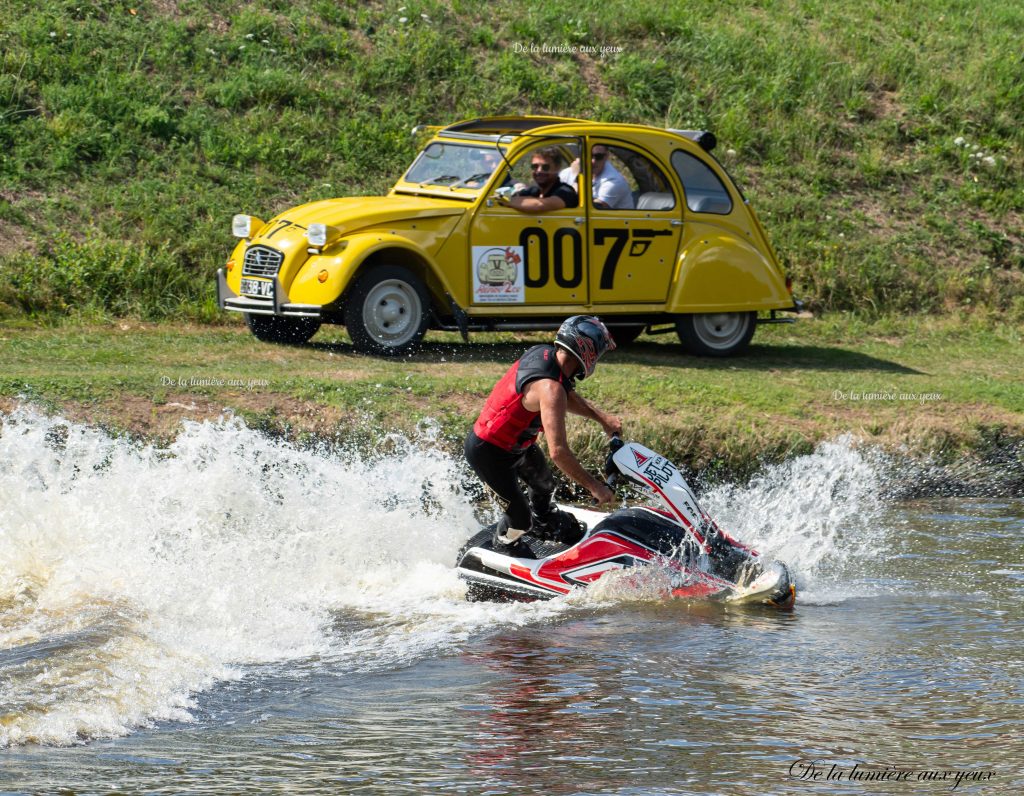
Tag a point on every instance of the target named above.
point(523, 573)
point(697, 590)
point(590, 552)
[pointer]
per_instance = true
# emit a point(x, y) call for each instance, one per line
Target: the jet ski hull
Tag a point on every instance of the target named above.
point(541, 570)
point(699, 558)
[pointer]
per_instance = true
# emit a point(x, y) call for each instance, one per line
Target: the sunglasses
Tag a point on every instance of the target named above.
point(545, 167)
point(598, 155)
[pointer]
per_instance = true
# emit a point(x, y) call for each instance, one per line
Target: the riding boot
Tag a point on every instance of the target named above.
point(558, 526)
point(509, 542)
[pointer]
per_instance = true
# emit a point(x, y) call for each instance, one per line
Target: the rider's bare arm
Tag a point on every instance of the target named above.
point(553, 405)
point(579, 405)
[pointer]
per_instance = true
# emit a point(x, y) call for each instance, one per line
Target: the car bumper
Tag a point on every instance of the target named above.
point(798, 307)
point(227, 299)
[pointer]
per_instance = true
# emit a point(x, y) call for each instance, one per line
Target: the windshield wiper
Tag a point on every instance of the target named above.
point(438, 180)
point(481, 177)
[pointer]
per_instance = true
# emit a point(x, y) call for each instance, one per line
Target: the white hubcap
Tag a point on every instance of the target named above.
point(392, 312)
point(721, 329)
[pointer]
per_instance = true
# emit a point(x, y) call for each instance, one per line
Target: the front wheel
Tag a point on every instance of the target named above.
point(280, 329)
point(716, 334)
point(387, 311)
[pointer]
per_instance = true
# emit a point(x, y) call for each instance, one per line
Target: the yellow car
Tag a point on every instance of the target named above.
point(662, 241)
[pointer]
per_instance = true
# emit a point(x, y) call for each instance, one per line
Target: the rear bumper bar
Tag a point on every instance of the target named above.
point(798, 306)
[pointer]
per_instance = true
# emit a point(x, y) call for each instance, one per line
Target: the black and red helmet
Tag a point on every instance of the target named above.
point(587, 339)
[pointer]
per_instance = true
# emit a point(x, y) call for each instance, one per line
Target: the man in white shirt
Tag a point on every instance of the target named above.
point(608, 186)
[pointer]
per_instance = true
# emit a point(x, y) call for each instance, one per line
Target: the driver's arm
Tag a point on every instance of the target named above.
point(553, 405)
point(536, 204)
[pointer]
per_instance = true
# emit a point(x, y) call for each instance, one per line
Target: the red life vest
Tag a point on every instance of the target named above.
point(504, 421)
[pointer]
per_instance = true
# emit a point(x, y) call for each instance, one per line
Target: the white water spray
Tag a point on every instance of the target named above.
point(820, 513)
point(133, 578)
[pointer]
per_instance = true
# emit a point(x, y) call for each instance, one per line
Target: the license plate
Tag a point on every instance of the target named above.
point(257, 287)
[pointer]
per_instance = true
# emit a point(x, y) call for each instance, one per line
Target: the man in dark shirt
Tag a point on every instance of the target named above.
point(548, 192)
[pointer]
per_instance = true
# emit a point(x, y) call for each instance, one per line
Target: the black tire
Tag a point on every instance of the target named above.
point(279, 329)
point(624, 335)
point(387, 311)
point(716, 334)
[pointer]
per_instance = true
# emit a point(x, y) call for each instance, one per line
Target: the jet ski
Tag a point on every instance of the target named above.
point(676, 533)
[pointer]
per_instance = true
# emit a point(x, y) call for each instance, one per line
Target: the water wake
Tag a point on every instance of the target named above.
point(821, 513)
point(133, 577)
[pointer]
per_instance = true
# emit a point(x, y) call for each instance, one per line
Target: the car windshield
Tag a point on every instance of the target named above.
point(455, 165)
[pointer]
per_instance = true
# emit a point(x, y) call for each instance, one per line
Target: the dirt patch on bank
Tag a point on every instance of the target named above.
point(732, 444)
point(162, 421)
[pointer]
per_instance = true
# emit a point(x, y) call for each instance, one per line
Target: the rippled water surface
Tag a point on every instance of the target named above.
point(234, 614)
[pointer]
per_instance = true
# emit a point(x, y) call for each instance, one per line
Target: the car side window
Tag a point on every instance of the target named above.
point(705, 193)
point(649, 189)
point(522, 176)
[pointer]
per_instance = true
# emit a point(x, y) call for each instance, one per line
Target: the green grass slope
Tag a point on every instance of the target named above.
point(880, 141)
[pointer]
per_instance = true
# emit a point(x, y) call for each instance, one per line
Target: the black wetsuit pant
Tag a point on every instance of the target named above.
point(502, 470)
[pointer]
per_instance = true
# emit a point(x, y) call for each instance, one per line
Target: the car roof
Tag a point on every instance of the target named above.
point(495, 128)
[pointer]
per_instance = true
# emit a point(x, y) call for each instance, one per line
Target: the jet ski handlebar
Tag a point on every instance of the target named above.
point(611, 472)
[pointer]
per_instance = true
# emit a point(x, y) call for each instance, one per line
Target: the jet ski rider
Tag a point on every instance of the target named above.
point(533, 396)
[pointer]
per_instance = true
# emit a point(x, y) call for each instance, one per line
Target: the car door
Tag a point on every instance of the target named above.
point(632, 246)
point(529, 259)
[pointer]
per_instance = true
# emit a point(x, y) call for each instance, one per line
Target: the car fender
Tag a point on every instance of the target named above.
point(326, 277)
point(233, 268)
point(716, 261)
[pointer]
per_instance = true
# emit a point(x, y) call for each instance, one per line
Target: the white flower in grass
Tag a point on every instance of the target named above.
point(960, 141)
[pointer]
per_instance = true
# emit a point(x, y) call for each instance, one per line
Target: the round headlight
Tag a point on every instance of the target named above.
point(241, 226)
point(317, 235)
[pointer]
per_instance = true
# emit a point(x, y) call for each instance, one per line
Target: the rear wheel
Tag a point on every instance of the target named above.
point(278, 329)
point(387, 311)
point(624, 335)
point(716, 334)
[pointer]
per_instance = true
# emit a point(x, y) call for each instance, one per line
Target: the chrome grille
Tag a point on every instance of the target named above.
point(261, 261)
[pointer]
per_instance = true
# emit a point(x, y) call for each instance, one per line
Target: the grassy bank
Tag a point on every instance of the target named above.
point(943, 388)
point(881, 142)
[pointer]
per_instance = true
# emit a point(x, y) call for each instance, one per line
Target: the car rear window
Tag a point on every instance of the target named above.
point(705, 193)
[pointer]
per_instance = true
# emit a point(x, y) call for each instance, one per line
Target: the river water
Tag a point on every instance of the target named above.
point(236, 614)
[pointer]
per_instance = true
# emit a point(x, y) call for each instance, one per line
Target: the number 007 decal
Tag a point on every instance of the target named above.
point(552, 259)
point(642, 240)
point(542, 274)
